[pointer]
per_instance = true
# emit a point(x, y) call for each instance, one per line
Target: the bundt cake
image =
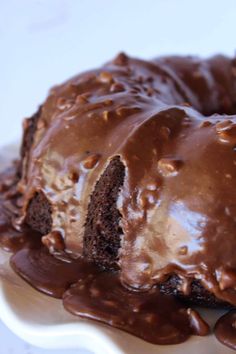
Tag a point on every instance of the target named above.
point(133, 168)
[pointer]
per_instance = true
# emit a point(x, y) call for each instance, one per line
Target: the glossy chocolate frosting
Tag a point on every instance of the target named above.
point(166, 120)
point(88, 290)
point(225, 329)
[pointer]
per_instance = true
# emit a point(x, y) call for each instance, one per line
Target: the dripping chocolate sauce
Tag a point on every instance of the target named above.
point(90, 292)
point(225, 329)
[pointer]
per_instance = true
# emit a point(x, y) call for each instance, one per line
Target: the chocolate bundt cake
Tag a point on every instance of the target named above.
point(133, 167)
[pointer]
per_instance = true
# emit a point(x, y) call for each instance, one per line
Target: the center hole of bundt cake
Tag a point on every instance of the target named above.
point(102, 235)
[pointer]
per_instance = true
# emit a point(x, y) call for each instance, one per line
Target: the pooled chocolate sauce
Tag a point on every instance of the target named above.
point(225, 329)
point(152, 316)
point(90, 292)
point(47, 273)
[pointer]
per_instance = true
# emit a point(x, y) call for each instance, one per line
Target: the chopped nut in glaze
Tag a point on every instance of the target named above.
point(64, 104)
point(54, 241)
point(105, 115)
point(165, 132)
point(169, 166)
point(226, 131)
point(205, 124)
point(117, 87)
point(91, 161)
point(82, 99)
point(105, 77)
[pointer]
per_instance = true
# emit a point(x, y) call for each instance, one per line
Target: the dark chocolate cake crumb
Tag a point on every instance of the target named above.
point(102, 229)
point(39, 214)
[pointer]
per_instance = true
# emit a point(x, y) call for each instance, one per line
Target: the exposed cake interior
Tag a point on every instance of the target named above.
point(103, 232)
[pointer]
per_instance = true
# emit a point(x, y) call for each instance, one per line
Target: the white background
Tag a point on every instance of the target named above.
point(43, 42)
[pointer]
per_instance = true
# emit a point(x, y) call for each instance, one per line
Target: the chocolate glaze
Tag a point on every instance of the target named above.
point(46, 273)
point(178, 198)
point(154, 317)
point(225, 329)
point(93, 293)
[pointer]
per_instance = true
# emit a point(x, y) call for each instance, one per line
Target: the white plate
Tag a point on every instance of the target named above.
point(42, 321)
